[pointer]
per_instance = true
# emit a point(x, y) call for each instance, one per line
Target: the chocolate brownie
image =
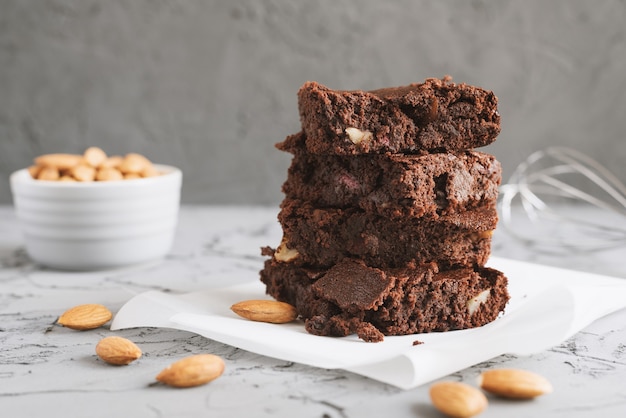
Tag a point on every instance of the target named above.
point(352, 297)
point(322, 237)
point(393, 185)
point(434, 116)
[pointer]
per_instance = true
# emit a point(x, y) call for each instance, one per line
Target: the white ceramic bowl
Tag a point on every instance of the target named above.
point(97, 225)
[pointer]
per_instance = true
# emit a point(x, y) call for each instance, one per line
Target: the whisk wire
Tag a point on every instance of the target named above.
point(540, 183)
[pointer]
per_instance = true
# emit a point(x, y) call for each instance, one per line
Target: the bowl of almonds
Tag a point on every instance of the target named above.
point(92, 211)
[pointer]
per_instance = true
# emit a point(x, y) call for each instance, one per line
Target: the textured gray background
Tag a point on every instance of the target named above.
point(210, 86)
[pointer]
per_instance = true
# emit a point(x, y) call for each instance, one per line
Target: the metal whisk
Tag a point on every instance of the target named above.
point(567, 201)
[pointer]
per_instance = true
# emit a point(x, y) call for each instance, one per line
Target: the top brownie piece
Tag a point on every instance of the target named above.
point(435, 116)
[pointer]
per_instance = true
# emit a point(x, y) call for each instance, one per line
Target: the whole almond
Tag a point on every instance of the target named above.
point(514, 383)
point(94, 156)
point(192, 371)
point(48, 173)
point(149, 171)
point(265, 311)
point(82, 317)
point(117, 350)
point(133, 163)
point(132, 176)
point(59, 161)
point(83, 173)
point(457, 400)
point(34, 170)
point(113, 161)
point(284, 253)
point(108, 174)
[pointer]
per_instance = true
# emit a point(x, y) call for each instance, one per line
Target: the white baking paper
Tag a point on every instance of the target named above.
point(547, 306)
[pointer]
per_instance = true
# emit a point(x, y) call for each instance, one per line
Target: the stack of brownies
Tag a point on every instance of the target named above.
point(389, 212)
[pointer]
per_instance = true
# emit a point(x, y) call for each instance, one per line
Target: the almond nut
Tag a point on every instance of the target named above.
point(83, 173)
point(34, 170)
point(149, 171)
point(132, 176)
point(192, 371)
point(48, 173)
point(113, 161)
point(284, 253)
point(94, 156)
point(84, 317)
point(117, 350)
point(514, 383)
point(474, 303)
point(357, 136)
point(109, 174)
point(92, 165)
point(265, 311)
point(457, 400)
point(58, 161)
point(133, 163)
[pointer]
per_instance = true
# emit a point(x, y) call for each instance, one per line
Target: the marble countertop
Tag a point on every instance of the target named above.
point(47, 370)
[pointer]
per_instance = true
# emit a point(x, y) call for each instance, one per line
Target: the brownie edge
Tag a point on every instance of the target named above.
point(354, 298)
point(393, 185)
point(434, 116)
point(322, 237)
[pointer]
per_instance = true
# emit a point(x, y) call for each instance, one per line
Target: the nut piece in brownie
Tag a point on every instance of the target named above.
point(435, 116)
point(353, 298)
point(323, 236)
point(394, 185)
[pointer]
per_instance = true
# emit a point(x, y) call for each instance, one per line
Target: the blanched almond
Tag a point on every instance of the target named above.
point(284, 253)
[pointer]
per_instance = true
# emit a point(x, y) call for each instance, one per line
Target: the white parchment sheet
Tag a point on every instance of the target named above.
point(547, 306)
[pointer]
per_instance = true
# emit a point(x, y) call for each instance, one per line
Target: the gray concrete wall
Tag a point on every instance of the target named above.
point(210, 86)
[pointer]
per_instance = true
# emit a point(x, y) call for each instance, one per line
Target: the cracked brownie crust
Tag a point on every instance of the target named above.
point(434, 116)
point(393, 185)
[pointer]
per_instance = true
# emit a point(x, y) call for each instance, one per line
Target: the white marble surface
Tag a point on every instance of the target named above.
point(48, 370)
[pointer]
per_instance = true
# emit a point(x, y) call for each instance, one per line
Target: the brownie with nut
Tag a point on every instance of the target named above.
point(354, 298)
point(437, 115)
point(323, 236)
